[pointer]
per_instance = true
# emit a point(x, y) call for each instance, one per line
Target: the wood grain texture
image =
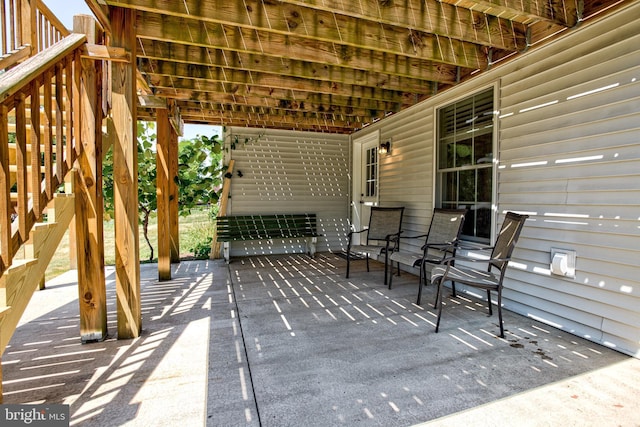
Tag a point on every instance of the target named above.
point(125, 171)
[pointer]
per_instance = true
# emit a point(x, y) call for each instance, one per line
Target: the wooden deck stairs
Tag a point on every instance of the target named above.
point(23, 277)
point(39, 146)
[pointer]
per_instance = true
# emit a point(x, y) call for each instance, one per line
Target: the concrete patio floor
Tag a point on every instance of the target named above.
point(286, 340)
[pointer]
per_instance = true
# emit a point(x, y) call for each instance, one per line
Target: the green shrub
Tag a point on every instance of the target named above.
point(202, 248)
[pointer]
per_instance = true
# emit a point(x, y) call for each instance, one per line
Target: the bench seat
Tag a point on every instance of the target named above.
point(267, 227)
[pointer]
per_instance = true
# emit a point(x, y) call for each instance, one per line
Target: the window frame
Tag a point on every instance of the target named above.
point(439, 172)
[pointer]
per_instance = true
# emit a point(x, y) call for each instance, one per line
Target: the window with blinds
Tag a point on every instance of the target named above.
point(465, 161)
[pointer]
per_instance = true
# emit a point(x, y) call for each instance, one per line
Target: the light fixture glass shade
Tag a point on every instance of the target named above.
point(385, 147)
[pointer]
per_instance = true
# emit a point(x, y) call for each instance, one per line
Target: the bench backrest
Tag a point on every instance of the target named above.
point(261, 227)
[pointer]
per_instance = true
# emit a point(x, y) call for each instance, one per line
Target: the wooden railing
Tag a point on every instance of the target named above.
point(39, 118)
point(26, 28)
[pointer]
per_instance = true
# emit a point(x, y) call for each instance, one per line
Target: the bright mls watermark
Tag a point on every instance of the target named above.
point(34, 415)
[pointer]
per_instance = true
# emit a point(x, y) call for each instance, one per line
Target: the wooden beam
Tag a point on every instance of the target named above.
point(250, 105)
point(175, 117)
point(100, 12)
point(156, 102)
point(426, 33)
point(531, 11)
point(125, 171)
point(152, 101)
point(89, 218)
point(203, 117)
point(104, 53)
point(207, 65)
point(163, 142)
point(224, 199)
point(214, 112)
point(236, 39)
point(275, 87)
point(286, 100)
point(174, 230)
point(285, 103)
point(456, 19)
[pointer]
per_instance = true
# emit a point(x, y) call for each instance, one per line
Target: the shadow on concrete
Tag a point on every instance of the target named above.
point(287, 340)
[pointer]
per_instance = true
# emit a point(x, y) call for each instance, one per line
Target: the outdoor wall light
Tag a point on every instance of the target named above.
point(385, 147)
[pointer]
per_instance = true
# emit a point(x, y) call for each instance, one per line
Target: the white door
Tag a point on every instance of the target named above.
point(365, 180)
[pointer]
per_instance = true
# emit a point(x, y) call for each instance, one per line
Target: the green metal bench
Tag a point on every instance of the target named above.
point(267, 227)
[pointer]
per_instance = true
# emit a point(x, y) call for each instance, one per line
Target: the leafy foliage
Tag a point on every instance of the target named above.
point(199, 172)
point(199, 177)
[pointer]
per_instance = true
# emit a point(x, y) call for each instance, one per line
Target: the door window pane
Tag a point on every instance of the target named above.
point(371, 172)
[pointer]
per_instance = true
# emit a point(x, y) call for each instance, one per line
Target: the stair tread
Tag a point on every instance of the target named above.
point(4, 310)
point(22, 262)
point(19, 264)
point(43, 225)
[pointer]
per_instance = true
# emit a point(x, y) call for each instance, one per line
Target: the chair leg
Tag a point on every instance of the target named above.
point(348, 264)
point(439, 303)
point(386, 267)
point(390, 275)
point(367, 262)
point(422, 281)
point(500, 313)
point(453, 289)
point(435, 303)
point(489, 302)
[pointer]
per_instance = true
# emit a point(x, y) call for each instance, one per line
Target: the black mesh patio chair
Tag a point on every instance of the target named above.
point(383, 232)
point(440, 242)
point(490, 278)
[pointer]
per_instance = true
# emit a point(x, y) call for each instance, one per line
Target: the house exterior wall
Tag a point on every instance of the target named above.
point(568, 135)
point(289, 172)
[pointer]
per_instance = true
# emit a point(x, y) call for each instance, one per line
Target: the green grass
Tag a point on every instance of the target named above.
point(194, 229)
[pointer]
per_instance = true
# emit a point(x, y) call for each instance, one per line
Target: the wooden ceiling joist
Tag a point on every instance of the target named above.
point(305, 77)
point(327, 65)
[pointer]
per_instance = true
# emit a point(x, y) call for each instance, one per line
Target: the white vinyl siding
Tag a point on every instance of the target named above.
point(569, 156)
point(289, 172)
point(406, 174)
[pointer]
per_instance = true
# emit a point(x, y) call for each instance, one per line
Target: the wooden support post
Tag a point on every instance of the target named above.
point(162, 193)
point(174, 230)
point(224, 197)
point(6, 248)
point(3, 311)
point(89, 205)
point(28, 25)
point(125, 177)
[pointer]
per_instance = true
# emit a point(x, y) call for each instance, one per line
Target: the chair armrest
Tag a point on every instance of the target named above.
point(415, 237)
point(355, 232)
point(393, 237)
point(451, 259)
point(474, 248)
point(441, 246)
